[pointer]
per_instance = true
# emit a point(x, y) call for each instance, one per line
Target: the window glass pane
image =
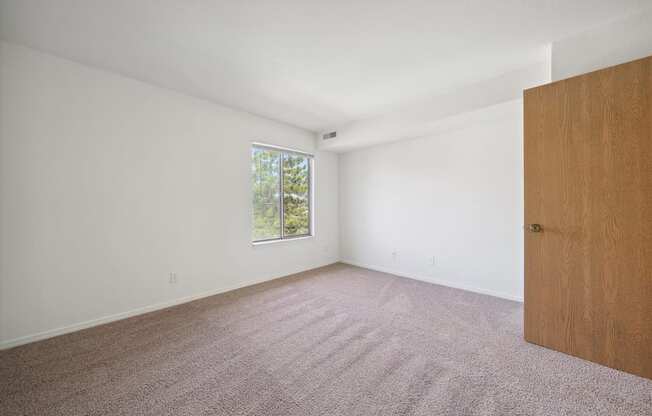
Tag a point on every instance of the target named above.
point(266, 194)
point(296, 194)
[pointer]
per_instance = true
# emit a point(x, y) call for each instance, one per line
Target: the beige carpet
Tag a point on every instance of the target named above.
point(334, 341)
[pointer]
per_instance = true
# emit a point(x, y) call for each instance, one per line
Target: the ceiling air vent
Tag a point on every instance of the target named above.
point(331, 135)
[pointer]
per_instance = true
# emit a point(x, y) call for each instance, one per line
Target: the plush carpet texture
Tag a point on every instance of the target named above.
point(339, 340)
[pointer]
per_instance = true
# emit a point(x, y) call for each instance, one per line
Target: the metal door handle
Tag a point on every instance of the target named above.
point(534, 228)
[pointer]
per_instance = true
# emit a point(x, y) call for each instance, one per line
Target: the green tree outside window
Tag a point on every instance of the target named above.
point(275, 172)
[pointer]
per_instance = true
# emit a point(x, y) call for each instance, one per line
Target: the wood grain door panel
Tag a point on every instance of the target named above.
point(588, 181)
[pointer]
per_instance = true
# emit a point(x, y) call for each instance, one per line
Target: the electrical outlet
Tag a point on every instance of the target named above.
point(173, 278)
point(432, 261)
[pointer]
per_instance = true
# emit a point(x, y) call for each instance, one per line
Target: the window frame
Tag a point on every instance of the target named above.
point(284, 151)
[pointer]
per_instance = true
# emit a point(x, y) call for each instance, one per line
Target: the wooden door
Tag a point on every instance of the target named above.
point(588, 183)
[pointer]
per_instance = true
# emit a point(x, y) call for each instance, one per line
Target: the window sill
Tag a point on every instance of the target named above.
point(285, 240)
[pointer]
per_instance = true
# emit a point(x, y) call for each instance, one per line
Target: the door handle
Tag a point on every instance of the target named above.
point(534, 228)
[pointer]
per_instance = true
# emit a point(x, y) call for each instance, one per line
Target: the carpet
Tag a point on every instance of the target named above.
point(338, 340)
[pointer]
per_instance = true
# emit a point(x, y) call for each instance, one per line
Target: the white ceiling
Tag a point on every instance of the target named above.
point(313, 64)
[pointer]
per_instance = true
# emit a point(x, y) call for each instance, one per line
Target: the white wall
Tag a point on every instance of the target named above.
point(107, 185)
point(607, 45)
point(457, 196)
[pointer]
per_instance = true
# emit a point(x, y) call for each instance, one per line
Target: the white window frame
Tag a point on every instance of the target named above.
point(311, 192)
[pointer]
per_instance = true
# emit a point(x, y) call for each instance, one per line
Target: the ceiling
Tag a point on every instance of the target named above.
point(312, 64)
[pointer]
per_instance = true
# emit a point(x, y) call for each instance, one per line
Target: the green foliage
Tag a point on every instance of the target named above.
point(266, 194)
point(266, 188)
point(296, 195)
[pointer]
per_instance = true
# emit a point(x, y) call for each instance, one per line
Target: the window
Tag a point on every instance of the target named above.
point(282, 182)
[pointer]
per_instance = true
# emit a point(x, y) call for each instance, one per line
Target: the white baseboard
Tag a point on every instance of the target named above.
point(435, 281)
point(134, 312)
